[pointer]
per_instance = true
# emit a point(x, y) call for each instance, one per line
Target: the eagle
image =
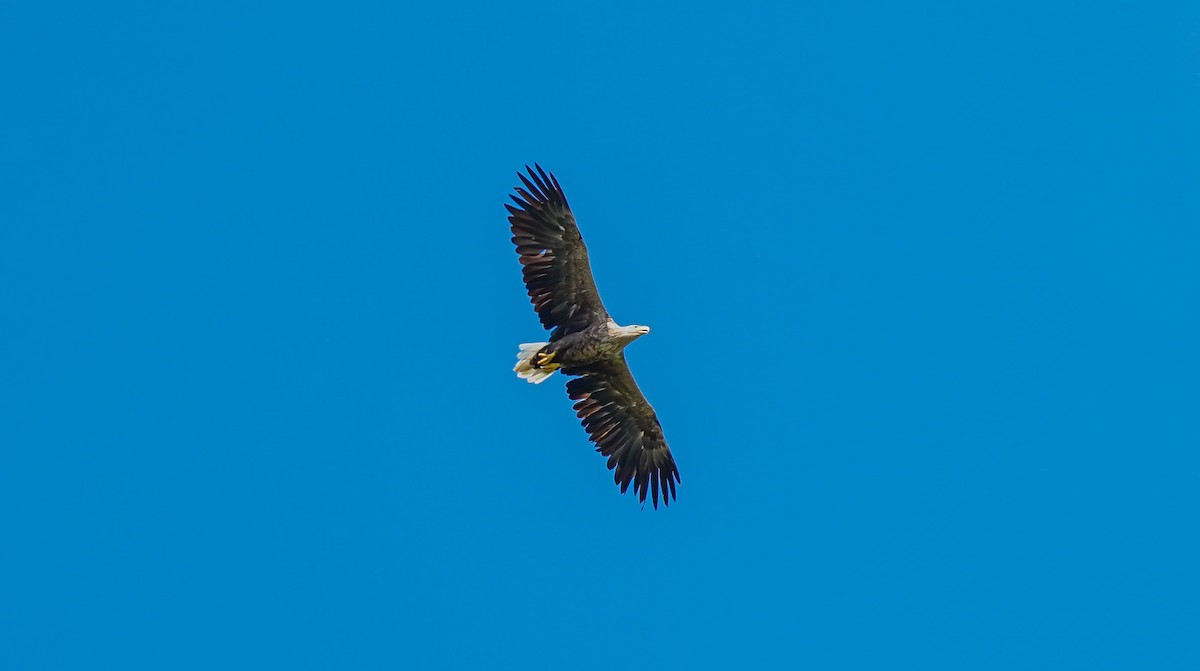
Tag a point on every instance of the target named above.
point(585, 343)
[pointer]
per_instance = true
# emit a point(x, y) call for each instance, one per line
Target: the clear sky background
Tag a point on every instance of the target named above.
point(922, 279)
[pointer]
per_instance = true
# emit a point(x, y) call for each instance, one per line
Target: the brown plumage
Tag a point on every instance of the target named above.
point(585, 342)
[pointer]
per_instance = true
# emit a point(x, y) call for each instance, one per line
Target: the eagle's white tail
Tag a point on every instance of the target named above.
point(525, 369)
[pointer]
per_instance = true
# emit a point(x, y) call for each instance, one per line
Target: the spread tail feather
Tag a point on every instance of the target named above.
point(525, 368)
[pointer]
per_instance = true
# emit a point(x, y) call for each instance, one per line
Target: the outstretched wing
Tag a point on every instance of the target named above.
point(555, 261)
point(624, 428)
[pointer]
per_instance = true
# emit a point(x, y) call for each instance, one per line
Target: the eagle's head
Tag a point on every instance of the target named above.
point(627, 333)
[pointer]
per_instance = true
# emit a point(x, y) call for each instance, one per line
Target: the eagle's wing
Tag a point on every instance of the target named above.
point(624, 428)
point(555, 261)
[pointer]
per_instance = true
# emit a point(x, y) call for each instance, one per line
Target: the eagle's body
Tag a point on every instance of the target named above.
point(594, 343)
point(585, 343)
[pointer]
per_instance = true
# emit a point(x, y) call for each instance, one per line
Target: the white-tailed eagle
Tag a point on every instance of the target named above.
point(585, 342)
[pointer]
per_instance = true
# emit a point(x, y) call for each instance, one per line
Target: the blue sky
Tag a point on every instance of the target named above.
point(922, 279)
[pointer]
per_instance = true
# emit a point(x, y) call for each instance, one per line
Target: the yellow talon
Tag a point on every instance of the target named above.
point(545, 358)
